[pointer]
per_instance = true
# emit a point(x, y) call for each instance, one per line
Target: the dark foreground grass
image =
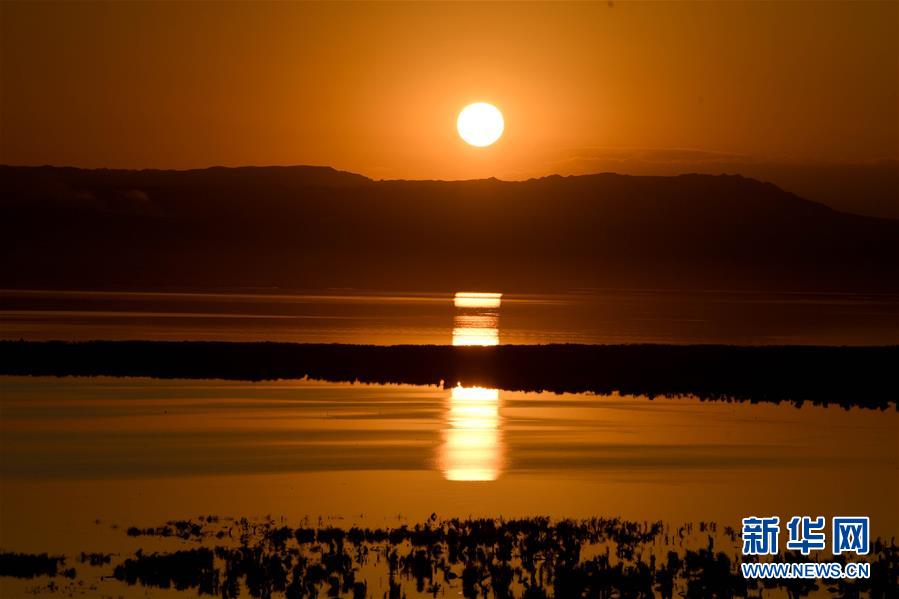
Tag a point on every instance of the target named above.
point(28, 565)
point(846, 376)
point(531, 558)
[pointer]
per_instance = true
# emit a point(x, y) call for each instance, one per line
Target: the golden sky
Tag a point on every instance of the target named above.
point(375, 88)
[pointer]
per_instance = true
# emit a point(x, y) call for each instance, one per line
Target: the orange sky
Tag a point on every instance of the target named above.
point(375, 88)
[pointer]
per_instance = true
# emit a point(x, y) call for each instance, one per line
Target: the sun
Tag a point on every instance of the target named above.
point(480, 124)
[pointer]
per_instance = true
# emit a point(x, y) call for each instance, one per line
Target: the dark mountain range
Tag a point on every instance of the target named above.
point(308, 227)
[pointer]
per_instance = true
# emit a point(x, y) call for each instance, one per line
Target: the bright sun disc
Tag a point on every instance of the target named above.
point(480, 124)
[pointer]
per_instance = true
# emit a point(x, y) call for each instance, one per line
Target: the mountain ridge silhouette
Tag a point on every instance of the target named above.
point(313, 227)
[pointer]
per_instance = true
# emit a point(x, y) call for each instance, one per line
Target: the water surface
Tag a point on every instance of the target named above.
point(144, 451)
point(82, 459)
point(590, 316)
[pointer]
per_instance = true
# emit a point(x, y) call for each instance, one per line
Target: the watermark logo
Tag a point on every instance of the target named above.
point(806, 534)
point(760, 535)
point(849, 534)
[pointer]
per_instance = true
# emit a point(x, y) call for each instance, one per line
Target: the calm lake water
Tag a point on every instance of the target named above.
point(356, 317)
point(84, 458)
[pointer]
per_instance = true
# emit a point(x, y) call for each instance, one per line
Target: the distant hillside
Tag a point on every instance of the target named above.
point(308, 227)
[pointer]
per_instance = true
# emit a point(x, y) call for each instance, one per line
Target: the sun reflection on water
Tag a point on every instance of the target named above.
point(476, 299)
point(472, 448)
point(472, 445)
point(476, 321)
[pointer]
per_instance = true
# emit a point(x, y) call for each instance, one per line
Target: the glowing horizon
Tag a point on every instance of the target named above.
point(572, 77)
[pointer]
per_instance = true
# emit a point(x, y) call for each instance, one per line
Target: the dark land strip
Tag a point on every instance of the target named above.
point(845, 376)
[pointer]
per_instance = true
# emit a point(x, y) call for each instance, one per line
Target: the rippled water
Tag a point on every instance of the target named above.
point(356, 317)
point(84, 458)
point(143, 451)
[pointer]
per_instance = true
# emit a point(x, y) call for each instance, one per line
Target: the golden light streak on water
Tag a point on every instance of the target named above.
point(476, 321)
point(477, 299)
point(472, 447)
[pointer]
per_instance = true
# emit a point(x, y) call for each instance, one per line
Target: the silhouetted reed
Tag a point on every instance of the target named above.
point(182, 570)
point(845, 376)
point(27, 565)
point(528, 558)
point(182, 529)
point(95, 559)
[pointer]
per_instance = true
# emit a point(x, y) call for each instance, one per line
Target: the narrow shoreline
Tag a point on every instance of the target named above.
point(845, 376)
